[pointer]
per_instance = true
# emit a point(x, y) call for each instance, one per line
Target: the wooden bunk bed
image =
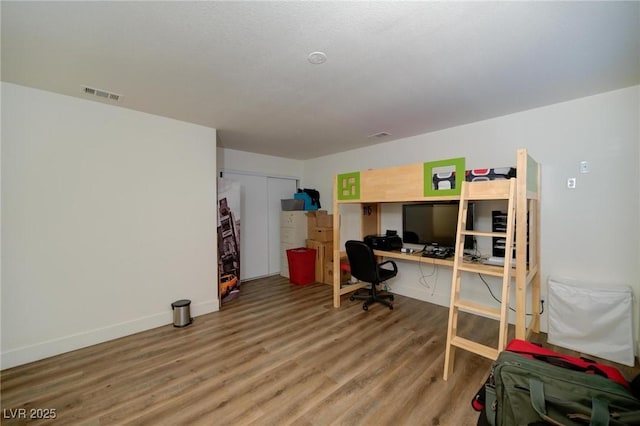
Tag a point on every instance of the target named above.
point(411, 183)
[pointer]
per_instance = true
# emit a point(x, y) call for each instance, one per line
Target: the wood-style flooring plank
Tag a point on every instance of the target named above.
point(280, 354)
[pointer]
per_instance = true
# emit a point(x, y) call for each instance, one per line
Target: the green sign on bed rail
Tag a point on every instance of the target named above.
point(444, 177)
point(348, 186)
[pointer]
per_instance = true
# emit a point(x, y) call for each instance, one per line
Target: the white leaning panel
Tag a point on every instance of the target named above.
point(593, 319)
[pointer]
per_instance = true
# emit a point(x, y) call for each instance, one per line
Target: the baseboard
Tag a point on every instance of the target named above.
point(72, 342)
point(204, 308)
point(419, 294)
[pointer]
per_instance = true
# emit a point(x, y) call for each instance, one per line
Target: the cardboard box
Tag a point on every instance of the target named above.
point(324, 255)
point(318, 219)
point(345, 276)
point(324, 220)
point(321, 234)
point(312, 221)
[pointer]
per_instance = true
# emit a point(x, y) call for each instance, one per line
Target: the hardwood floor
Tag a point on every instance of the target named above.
point(279, 354)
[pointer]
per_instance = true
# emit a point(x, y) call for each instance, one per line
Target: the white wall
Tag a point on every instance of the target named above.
point(1, 185)
point(637, 259)
point(108, 216)
point(266, 165)
point(590, 233)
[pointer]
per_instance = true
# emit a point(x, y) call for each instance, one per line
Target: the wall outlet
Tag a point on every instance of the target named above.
point(571, 183)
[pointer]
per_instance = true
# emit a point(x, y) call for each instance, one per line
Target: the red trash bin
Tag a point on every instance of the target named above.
point(302, 265)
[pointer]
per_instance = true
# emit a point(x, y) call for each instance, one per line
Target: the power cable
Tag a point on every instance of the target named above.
point(500, 301)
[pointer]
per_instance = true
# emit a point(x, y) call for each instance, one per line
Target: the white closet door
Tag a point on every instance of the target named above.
point(254, 238)
point(278, 188)
point(260, 222)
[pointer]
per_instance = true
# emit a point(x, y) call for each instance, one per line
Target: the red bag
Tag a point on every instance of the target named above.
point(531, 350)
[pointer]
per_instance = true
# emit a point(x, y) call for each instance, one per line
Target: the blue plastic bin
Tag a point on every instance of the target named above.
point(307, 200)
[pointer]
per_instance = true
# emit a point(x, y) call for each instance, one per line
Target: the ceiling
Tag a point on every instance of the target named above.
point(403, 68)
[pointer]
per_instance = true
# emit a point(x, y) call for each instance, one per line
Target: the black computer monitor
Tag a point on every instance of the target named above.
point(434, 223)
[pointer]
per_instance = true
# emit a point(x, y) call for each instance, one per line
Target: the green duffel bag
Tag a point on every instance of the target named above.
point(524, 391)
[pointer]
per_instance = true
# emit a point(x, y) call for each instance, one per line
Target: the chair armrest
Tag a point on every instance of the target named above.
point(393, 264)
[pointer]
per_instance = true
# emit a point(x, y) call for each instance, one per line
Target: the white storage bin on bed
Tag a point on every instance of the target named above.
point(593, 319)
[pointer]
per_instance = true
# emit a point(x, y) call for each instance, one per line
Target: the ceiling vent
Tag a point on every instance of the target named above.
point(379, 135)
point(99, 93)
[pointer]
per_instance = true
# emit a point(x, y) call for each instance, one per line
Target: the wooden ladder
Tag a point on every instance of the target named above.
point(477, 191)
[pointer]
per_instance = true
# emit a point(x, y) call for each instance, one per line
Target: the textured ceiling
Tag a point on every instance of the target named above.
point(404, 68)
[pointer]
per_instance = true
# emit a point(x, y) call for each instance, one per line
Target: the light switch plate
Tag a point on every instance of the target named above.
point(585, 167)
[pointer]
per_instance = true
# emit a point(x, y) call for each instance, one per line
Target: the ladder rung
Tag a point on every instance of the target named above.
point(484, 234)
point(475, 347)
point(478, 309)
point(495, 271)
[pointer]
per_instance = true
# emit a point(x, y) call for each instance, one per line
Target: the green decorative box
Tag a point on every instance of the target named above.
point(444, 177)
point(348, 186)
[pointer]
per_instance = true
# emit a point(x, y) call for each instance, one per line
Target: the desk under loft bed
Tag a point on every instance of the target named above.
point(413, 183)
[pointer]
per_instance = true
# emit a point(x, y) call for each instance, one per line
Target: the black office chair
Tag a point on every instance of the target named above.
point(365, 268)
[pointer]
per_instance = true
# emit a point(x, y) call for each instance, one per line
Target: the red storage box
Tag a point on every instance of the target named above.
point(302, 265)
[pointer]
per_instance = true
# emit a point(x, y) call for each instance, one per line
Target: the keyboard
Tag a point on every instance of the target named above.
point(438, 254)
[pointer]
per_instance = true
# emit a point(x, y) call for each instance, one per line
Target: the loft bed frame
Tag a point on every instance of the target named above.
point(411, 183)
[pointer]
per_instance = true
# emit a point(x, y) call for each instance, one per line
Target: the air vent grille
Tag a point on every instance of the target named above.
point(92, 91)
point(379, 135)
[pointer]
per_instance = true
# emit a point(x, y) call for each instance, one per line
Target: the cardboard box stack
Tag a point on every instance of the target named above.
point(320, 237)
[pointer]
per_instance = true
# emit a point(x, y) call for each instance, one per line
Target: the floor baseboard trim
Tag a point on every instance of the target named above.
point(38, 351)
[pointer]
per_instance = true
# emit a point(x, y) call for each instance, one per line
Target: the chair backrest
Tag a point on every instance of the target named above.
point(362, 261)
